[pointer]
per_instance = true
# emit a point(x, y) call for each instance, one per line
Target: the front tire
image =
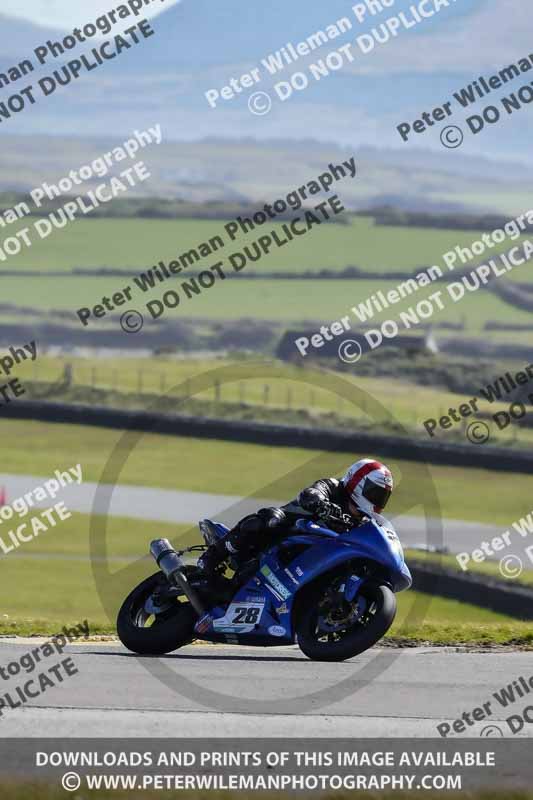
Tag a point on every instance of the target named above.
point(363, 633)
point(154, 634)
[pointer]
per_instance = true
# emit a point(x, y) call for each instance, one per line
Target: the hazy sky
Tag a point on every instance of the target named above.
point(65, 13)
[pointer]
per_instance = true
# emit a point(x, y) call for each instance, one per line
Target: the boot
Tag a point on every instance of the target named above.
point(213, 557)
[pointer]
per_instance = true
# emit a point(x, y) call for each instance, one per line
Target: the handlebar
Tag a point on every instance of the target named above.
point(335, 514)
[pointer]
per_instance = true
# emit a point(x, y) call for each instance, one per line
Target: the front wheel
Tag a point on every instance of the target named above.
point(150, 625)
point(334, 630)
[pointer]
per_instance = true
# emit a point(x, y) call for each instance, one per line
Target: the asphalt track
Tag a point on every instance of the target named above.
point(236, 691)
point(171, 506)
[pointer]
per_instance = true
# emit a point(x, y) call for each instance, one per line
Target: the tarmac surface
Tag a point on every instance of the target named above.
point(222, 690)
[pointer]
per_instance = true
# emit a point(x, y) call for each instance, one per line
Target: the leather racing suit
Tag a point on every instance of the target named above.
point(254, 533)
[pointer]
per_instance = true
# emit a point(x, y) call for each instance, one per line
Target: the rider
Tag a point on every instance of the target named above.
point(362, 492)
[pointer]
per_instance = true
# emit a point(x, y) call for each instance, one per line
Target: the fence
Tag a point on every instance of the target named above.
point(284, 393)
point(149, 382)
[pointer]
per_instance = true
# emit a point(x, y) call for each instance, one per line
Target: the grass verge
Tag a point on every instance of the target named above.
point(488, 568)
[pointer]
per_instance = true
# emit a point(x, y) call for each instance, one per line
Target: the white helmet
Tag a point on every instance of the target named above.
point(369, 484)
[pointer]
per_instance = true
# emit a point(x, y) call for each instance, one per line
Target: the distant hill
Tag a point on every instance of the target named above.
point(243, 171)
point(201, 44)
point(230, 153)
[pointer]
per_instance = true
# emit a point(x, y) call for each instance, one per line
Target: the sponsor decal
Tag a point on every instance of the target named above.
point(277, 584)
point(299, 571)
point(277, 630)
point(225, 629)
point(291, 576)
point(204, 624)
point(282, 609)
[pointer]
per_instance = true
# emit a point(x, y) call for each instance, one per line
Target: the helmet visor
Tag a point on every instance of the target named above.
point(377, 495)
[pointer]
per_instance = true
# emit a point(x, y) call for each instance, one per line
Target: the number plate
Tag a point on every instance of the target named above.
point(240, 618)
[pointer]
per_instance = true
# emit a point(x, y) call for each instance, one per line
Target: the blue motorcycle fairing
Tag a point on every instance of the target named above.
point(260, 613)
point(222, 529)
point(370, 541)
point(216, 530)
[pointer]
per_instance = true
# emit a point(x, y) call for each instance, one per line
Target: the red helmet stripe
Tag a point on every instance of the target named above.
point(360, 473)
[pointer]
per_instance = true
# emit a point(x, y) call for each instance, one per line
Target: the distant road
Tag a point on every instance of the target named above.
point(173, 506)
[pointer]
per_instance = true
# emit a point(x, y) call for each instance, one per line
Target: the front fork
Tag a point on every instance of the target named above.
point(351, 587)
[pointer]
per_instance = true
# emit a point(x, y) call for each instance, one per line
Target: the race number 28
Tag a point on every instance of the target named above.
point(246, 615)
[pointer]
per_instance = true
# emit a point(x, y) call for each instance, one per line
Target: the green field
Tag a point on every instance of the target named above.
point(140, 243)
point(247, 470)
point(60, 563)
point(278, 300)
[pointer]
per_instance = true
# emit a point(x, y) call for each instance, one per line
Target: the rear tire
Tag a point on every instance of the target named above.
point(171, 629)
point(355, 640)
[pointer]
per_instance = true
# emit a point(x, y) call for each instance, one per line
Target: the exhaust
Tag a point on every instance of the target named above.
point(171, 566)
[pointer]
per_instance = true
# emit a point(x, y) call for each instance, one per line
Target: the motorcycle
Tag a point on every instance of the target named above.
point(330, 591)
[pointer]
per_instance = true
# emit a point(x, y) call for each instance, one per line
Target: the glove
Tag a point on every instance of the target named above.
point(313, 500)
point(337, 520)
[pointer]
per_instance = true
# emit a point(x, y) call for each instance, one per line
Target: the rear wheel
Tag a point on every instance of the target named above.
point(331, 629)
point(150, 624)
